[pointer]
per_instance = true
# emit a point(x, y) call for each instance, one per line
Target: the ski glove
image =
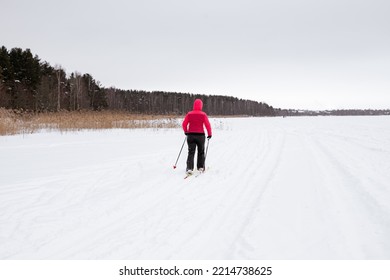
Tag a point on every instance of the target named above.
point(209, 137)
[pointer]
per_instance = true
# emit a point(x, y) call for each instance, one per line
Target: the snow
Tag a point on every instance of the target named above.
point(276, 188)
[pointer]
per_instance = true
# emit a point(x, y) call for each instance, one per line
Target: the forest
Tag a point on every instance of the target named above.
point(29, 84)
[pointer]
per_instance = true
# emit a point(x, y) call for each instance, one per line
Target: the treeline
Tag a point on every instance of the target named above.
point(27, 83)
point(342, 112)
point(355, 112)
point(158, 102)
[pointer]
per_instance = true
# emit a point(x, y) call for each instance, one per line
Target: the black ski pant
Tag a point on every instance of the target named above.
point(195, 141)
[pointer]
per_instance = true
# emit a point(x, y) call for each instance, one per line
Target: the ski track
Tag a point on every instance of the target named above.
point(364, 208)
point(295, 188)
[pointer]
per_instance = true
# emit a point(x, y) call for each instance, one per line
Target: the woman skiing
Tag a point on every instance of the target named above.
point(193, 126)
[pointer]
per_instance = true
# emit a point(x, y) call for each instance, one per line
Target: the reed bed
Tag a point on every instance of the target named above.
point(18, 122)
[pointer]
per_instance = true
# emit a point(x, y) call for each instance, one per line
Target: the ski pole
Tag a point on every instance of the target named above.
point(174, 167)
point(207, 148)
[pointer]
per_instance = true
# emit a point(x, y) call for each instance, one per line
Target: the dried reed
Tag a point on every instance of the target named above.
point(17, 122)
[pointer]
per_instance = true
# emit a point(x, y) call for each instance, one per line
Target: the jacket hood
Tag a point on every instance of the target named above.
point(198, 105)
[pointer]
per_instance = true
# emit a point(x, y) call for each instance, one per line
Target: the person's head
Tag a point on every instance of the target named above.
point(198, 105)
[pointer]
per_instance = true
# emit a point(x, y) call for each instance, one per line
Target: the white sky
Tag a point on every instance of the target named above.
point(302, 54)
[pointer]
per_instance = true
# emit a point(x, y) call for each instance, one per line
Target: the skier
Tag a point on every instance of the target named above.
point(193, 126)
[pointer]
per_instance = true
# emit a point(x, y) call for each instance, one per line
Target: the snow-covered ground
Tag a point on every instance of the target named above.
point(276, 188)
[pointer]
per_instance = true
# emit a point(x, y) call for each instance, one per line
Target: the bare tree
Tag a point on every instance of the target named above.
point(60, 74)
point(77, 96)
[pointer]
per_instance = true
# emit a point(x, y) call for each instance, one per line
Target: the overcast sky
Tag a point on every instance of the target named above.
point(303, 54)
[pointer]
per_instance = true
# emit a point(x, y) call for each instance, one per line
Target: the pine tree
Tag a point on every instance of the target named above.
point(6, 77)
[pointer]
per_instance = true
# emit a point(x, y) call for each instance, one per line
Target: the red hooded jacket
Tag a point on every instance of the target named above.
point(196, 120)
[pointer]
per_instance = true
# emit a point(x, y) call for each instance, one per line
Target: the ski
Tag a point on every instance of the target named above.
point(199, 173)
point(195, 174)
